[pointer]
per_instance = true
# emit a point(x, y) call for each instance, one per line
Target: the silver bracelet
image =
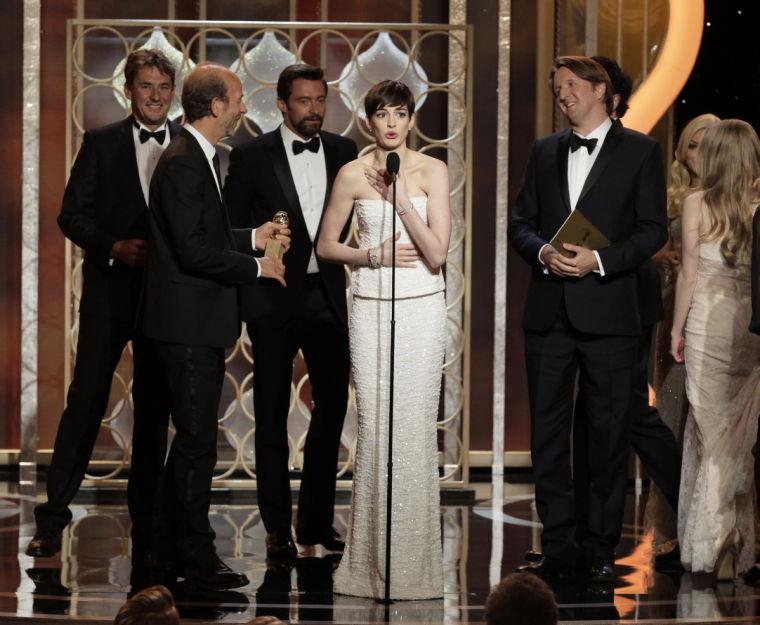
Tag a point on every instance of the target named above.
point(401, 211)
point(373, 258)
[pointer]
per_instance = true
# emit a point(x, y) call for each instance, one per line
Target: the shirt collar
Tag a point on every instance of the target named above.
point(138, 125)
point(208, 148)
point(288, 136)
point(600, 132)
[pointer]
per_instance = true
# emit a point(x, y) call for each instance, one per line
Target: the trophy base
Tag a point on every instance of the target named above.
point(273, 249)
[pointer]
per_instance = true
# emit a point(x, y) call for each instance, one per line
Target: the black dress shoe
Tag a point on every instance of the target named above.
point(601, 573)
point(332, 541)
point(533, 556)
point(213, 575)
point(550, 570)
point(669, 562)
point(280, 545)
point(45, 544)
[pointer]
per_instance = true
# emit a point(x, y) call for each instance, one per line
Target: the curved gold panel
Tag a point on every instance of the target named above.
point(670, 73)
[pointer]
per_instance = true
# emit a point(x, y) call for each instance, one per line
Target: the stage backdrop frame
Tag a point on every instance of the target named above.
point(191, 38)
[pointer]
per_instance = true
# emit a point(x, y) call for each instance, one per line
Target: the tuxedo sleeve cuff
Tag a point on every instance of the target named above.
point(600, 271)
point(541, 262)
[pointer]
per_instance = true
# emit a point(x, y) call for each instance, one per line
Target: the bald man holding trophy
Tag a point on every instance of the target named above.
point(288, 173)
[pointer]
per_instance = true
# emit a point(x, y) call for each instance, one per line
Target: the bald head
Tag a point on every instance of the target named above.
point(208, 81)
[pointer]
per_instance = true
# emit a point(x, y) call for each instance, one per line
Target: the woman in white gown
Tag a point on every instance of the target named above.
point(423, 227)
point(716, 516)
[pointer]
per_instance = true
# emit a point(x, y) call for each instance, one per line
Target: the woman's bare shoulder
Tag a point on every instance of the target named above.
point(352, 172)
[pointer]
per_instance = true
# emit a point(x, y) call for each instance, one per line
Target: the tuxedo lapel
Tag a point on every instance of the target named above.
point(129, 161)
point(174, 128)
point(284, 177)
point(563, 149)
point(601, 162)
point(211, 180)
point(332, 165)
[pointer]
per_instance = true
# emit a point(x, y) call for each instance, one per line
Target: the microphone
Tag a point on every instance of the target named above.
point(392, 164)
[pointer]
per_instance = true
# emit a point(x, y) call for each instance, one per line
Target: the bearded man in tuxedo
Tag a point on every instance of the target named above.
point(293, 168)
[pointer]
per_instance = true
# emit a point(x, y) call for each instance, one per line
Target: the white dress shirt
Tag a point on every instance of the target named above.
point(209, 151)
point(309, 172)
point(148, 154)
point(579, 164)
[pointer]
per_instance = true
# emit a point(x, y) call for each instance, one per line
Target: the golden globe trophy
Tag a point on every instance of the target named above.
point(273, 247)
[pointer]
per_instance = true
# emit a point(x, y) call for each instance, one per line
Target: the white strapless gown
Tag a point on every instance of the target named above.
point(416, 551)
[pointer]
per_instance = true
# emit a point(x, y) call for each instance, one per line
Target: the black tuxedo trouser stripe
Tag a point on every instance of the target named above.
point(195, 377)
point(553, 359)
point(312, 327)
point(652, 440)
point(99, 348)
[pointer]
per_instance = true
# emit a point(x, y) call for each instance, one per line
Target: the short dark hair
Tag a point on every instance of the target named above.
point(152, 606)
point(388, 93)
point(586, 68)
point(146, 57)
point(294, 72)
point(622, 84)
point(521, 599)
point(200, 89)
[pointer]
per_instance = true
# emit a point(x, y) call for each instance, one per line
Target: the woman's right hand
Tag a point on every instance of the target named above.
point(677, 347)
point(406, 253)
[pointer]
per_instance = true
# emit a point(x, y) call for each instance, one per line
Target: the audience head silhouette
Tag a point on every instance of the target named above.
point(152, 606)
point(521, 599)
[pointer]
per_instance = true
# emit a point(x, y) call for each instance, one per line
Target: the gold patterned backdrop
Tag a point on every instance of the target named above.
point(434, 60)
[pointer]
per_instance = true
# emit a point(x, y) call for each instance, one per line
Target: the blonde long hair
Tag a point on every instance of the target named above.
point(729, 165)
point(681, 178)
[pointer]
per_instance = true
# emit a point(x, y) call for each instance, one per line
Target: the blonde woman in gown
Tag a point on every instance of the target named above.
point(716, 518)
point(423, 227)
point(669, 377)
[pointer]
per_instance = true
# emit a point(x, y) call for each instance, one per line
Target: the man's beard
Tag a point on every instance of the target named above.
point(307, 129)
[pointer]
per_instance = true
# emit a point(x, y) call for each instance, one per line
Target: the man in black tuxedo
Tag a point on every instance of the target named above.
point(104, 212)
point(582, 313)
point(190, 311)
point(652, 440)
point(292, 169)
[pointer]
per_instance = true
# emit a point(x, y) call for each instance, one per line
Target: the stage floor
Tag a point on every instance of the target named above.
point(482, 542)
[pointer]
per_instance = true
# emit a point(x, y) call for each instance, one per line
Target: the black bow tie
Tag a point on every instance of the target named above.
point(312, 145)
point(159, 135)
point(577, 142)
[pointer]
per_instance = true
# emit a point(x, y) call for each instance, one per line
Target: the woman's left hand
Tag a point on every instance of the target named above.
point(676, 347)
point(380, 181)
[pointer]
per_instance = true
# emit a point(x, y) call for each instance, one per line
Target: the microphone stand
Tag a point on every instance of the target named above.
point(389, 488)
